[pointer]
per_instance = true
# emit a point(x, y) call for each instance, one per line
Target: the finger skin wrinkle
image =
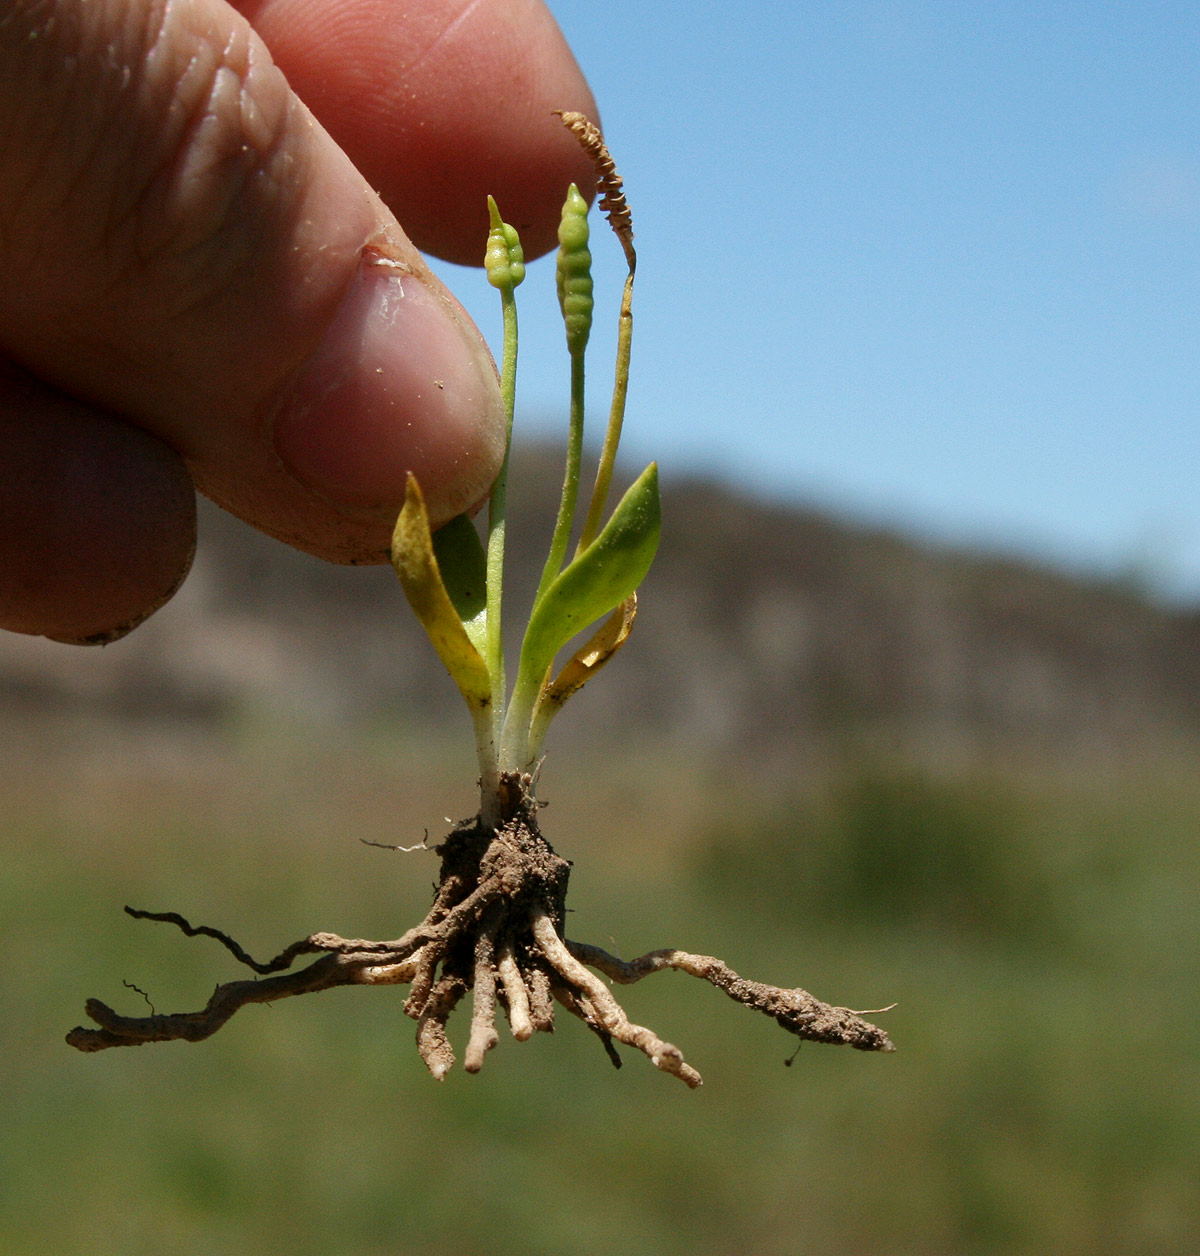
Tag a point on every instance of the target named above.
point(445, 33)
point(110, 296)
point(55, 73)
point(220, 109)
point(227, 148)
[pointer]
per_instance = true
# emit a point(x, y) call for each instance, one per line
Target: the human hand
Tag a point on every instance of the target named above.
point(201, 289)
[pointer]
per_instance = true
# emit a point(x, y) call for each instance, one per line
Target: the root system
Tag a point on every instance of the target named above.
point(495, 932)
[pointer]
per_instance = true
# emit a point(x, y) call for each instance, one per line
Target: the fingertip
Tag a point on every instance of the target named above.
point(402, 383)
point(97, 519)
point(441, 105)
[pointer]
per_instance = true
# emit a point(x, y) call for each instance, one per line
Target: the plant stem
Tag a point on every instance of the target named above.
point(570, 491)
point(514, 745)
point(574, 281)
point(515, 740)
point(489, 766)
point(497, 503)
point(616, 419)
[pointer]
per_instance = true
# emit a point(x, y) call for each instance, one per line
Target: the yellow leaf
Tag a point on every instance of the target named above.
point(416, 565)
point(582, 666)
point(590, 658)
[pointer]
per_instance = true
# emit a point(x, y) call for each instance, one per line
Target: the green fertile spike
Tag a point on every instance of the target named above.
point(504, 259)
point(575, 272)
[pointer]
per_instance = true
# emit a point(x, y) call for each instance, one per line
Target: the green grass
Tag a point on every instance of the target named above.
point(1040, 937)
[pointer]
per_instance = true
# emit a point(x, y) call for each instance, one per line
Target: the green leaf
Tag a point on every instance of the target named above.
point(599, 579)
point(416, 564)
point(463, 564)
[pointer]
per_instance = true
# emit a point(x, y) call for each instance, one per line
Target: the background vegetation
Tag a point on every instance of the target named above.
point(1038, 933)
point(958, 783)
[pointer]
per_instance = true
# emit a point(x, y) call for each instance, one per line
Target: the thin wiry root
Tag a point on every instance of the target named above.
point(609, 1012)
point(281, 961)
point(580, 1005)
point(495, 930)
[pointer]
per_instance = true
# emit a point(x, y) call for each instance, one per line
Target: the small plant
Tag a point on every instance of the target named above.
point(495, 930)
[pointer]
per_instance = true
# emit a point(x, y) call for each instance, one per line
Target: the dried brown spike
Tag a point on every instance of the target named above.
point(608, 181)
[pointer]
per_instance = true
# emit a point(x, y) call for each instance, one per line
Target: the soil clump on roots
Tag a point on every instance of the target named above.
point(495, 931)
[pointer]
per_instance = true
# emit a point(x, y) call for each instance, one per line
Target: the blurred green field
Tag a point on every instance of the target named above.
point(1041, 935)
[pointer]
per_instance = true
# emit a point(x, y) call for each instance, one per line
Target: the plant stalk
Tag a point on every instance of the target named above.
point(489, 749)
point(570, 491)
point(616, 420)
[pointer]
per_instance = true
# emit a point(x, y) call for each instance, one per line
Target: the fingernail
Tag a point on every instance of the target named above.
point(400, 383)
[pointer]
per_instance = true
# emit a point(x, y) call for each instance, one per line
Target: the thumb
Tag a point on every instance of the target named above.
point(188, 253)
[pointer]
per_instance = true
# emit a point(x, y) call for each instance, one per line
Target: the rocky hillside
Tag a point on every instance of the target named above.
point(774, 631)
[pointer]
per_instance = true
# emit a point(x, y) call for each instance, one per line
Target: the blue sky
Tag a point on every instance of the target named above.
point(923, 262)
